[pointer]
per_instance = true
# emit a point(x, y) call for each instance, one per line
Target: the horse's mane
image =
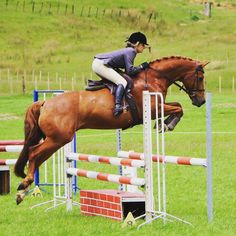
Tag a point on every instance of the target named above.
point(173, 58)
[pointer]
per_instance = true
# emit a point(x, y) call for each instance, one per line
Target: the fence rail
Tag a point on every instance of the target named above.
point(52, 8)
point(15, 82)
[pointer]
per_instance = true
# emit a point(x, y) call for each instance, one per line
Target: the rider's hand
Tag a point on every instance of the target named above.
point(144, 65)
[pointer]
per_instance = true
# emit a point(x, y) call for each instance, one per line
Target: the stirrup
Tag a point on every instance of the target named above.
point(118, 110)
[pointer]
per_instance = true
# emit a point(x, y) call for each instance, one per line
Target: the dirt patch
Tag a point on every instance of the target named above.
point(8, 117)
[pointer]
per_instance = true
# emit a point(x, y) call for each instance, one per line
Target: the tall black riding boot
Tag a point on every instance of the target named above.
point(118, 100)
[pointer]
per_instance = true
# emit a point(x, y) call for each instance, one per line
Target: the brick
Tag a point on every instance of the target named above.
point(111, 213)
point(83, 208)
point(93, 202)
point(87, 201)
point(103, 197)
point(113, 206)
point(83, 193)
point(107, 205)
point(90, 194)
point(104, 211)
point(117, 200)
point(118, 215)
point(100, 203)
point(110, 198)
point(90, 209)
point(96, 195)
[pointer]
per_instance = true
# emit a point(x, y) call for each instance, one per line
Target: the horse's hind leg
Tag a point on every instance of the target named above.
point(37, 155)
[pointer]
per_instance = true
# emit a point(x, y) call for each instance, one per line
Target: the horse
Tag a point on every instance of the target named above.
point(56, 120)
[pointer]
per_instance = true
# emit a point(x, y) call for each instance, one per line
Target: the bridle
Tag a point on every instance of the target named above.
point(190, 92)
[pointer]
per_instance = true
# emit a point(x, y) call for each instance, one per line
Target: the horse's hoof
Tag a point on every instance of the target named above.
point(19, 199)
point(21, 187)
point(166, 128)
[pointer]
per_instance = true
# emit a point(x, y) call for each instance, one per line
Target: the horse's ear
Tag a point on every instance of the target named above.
point(203, 64)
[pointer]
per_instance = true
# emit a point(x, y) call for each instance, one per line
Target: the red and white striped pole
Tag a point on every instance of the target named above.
point(11, 148)
point(11, 142)
point(106, 160)
point(7, 162)
point(179, 160)
point(106, 177)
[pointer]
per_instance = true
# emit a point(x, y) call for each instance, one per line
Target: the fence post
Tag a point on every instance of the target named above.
point(89, 11)
point(72, 83)
point(33, 3)
point(23, 84)
point(17, 4)
point(82, 9)
point(58, 7)
point(32, 75)
point(233, 88)
point(35, 83)
point(60, 83)
point(11, 85)
point(48, 81)
point(8, 74)
point(219, 84)
point(49, 10)
point(150, 17)
point(24, 6)
point(66, 9)
point(56, 77)
point(207, 8)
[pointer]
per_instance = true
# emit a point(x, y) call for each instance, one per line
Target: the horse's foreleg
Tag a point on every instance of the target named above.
point(37, 154)
point(174, 112)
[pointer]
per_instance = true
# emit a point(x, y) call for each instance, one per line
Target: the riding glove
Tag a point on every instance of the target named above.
point(144, 65)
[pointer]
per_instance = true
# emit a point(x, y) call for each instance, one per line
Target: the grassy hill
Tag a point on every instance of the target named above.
point(60, 38)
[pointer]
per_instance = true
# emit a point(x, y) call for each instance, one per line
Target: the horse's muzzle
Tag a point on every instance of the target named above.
point(196, 101)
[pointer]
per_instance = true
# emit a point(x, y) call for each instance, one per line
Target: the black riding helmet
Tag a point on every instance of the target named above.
point(137, 37)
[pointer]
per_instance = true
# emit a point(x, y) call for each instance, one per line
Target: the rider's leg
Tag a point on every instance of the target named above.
point(120, 90)
point(110, 74)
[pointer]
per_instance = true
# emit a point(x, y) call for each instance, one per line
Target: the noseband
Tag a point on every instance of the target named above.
point(190, 92)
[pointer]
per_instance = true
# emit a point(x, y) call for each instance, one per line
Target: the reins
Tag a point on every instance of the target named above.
point(181, 87)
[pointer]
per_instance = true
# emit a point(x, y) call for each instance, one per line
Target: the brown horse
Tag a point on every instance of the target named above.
point(56, 120)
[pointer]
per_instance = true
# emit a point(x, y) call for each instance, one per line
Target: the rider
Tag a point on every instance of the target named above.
point(105, 64)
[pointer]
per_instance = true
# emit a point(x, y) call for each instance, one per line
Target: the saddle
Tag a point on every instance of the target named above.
point(94, 85)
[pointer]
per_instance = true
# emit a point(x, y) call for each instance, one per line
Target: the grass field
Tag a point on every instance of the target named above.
point(62, 44)
point(186, 186)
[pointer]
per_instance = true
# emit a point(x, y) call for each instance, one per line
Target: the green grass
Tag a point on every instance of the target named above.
point(63, 45)
point(186, 186)
point(55, 42)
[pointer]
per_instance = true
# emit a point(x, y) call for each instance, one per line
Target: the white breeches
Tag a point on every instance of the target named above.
point(107, 72)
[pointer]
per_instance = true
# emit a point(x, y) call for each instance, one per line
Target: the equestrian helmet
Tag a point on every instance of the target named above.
point(137, 37)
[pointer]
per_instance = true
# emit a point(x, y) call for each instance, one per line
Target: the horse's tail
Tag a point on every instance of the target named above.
point(33, 135)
